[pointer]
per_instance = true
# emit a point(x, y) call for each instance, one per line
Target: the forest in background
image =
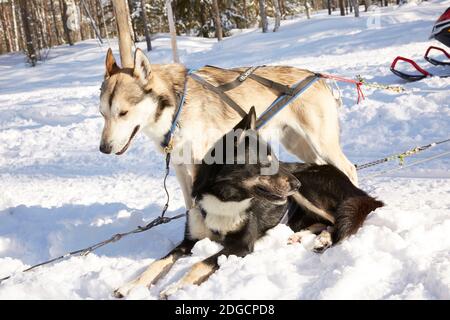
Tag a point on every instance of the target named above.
point(34, 26)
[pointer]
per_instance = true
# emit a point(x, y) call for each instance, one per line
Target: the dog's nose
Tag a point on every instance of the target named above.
point(105, 148)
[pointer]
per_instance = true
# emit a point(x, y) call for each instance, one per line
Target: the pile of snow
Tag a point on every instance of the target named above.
point(59, 193)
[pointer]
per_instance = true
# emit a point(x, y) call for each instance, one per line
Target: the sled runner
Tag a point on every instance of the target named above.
point(434, 60)
point(421, 73)
point(440, 32)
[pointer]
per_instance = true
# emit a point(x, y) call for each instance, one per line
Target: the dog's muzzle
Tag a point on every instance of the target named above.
point(136, 129)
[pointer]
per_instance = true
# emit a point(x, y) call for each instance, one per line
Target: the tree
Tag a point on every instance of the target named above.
point(131, 21)
point(91, 20)
point(6, 28)
point(173, 32)
point(341, 7)
point(307, 9)
point(282, 8)
point(67, 32)
point(217, 22)
point(144, 21)
point(27, 27)
point(123, 26)
point(16, 30)
point(245, 14)
point(55, 23)
point(276, 6)
point(355, 4)
point(262, 13)
point(105, 26)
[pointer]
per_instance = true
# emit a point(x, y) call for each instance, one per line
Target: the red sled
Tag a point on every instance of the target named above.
point(422, 73)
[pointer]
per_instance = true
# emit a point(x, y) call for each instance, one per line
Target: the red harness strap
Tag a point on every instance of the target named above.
point(357, 83)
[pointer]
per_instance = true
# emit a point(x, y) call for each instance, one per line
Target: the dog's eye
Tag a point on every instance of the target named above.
point(123, 113)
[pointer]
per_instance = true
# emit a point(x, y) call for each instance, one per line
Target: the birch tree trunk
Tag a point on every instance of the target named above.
point(123, 26)
point(217, 22)
point(67, 32)
point(15, 29)
point(276, 6)
point(173, 32)
point(27, 27)
point(134, 37)
point(307, 9)
point(262, 13)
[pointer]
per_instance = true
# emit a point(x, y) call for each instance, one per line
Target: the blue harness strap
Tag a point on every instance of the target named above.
point(167, 142)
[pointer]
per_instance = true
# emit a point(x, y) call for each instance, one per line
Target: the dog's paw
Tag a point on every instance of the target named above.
point(298, 237)
point(118, 294)
point(170, 290)
point(322, 242)
point(124, 290)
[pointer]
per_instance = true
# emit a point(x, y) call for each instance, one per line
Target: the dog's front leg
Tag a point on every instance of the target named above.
point(201, 271)
point(185, 180)
point(157, 269)
point(315, 228)
point(323, 240)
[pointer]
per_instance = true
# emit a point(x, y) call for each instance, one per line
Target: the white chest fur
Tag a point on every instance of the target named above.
point(224, 216)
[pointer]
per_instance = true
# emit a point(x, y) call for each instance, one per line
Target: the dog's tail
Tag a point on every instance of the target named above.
point(350, 215)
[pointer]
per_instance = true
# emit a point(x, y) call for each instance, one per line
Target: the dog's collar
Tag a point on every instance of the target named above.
point(167, 143)
point(291, 208)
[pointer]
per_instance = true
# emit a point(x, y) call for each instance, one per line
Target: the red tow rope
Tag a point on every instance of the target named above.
point(357, 83)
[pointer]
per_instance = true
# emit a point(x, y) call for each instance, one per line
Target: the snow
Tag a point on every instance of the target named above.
point(59, 193)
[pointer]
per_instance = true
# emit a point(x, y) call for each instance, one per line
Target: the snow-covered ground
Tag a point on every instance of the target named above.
point(59, 193)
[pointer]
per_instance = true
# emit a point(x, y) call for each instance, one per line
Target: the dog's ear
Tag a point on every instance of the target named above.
point(251, 119)
point(142, 68)
point(205, 178)
point(110, 64)
point(248, 121)
point(246, 127)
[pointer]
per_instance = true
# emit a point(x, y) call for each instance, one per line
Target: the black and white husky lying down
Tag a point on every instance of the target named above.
point(235, 205)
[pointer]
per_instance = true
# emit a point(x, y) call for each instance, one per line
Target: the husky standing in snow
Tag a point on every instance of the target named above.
point(235, 205)
point(144, 98)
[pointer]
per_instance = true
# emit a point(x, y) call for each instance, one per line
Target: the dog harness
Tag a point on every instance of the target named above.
point(290, 210)
point(286, 95)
